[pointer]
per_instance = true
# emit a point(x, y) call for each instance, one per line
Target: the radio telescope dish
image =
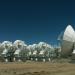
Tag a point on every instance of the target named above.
point(67, 42)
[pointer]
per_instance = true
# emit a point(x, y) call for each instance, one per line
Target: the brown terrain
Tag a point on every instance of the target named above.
point(37, 68)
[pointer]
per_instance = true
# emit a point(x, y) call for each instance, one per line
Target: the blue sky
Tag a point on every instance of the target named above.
point(35, 20)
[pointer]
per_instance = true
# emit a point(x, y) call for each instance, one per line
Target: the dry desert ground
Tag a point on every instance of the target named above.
point(36, 68)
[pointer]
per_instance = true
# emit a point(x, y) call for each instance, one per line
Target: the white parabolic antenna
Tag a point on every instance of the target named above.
point(68, 41)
